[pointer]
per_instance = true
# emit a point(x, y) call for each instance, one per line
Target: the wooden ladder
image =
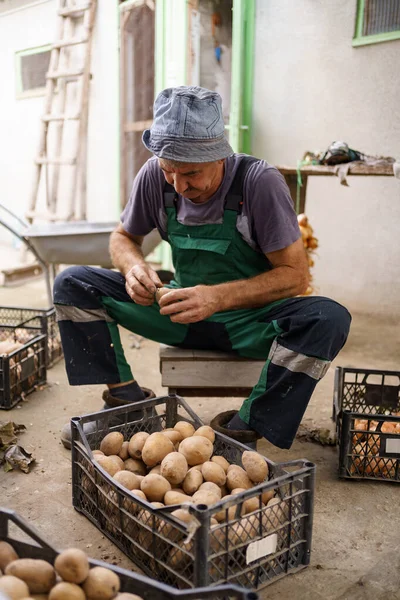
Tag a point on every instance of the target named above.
point(65, 103)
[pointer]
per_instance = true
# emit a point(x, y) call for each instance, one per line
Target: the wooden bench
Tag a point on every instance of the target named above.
point(207, 373)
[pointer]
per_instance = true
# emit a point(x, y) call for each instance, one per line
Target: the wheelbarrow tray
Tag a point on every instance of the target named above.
point(78, 242)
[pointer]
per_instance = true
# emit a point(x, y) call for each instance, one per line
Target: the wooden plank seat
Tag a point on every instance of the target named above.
point(207, 372)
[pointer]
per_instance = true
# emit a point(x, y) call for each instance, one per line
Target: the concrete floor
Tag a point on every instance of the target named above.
point(356, 538)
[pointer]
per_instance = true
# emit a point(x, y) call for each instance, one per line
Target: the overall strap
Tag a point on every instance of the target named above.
point(234, 197)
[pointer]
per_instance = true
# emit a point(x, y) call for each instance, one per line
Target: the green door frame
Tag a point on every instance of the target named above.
point(243, 25)
point(240, 122)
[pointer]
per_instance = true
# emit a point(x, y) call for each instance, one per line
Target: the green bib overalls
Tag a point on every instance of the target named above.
point(297, 337)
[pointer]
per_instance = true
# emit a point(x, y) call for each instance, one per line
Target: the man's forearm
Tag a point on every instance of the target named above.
point(125, 253)
point(281, 282)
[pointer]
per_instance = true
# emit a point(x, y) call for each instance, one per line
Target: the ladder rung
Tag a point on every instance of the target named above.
point(42, 160)
point(70, 12)
point(70, 42)
point(48, 118)
point(45, 216)
point(59, 74)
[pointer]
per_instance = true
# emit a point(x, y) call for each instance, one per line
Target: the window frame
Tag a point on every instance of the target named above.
point(362, 40)
point(34, 92)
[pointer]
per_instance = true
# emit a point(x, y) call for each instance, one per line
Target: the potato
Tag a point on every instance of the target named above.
point(255, 466)
point(266, 496)
point(224, 490)
point(155, 448)
point(7, 555)
point(72, 565)
point(112, 443)
point(192, 481)
point(101, 584)
point(140, 494)
point(117, 460)
point(155, 487)
point(221, 461)
point(136, 444)
point(173, 497)
point(209, 486)
point(185, 429)
point(251, 505)
point(135, 466)
point(237, 477)
point(38, 574)
point(207, 432)
point(205, 497)
point(228, 513)
point(155, 470)
point(196, 449)
point(213, 472)
point(67, 591)
point(277, 515)
point(98, 453)
point(237, 491)
point(128, 596)
point(175, 436)
point(123, 453)
point(247, 528)
point(13, 587)
point(108, 464)
point(174, 467)
point(127, 479)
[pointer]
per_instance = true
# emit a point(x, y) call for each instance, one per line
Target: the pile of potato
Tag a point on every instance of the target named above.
point(177, 466)
point(367, 445)
point(310, 244)
point(8, 345)
point(71, 578)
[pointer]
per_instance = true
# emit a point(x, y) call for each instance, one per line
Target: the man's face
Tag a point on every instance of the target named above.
point(196, 181)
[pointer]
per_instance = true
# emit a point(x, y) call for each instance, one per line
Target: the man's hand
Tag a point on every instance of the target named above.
point(190, 305)
point(141, 284)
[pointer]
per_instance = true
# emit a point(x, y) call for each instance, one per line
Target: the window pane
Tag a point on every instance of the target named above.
point(381, 16)
point(33, 70)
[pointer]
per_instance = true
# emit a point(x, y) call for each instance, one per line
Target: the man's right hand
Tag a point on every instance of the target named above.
point(141, 284)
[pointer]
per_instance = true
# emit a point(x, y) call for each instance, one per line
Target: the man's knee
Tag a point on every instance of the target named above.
point(335, 316)
point(66, 284)
point(333, 324)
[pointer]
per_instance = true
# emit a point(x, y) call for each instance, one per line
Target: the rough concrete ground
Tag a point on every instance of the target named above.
point(356, 539)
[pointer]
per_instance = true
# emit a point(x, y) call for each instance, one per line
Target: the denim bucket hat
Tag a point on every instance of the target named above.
point(188, 126)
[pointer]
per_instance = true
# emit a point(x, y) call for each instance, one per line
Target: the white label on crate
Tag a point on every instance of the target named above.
point(393, 446)
point(261, 548)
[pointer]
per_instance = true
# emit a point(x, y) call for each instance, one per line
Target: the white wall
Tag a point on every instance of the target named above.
point(26, 25)
point(311, 88)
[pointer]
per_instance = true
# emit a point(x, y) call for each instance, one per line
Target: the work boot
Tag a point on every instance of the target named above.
point(248, 437)
point(110, 402)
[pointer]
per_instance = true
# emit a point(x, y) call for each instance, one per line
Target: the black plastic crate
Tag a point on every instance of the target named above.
point(366, 409)
point(274, 541)
point(23, 369)
point(45, 321)
point(28, 543)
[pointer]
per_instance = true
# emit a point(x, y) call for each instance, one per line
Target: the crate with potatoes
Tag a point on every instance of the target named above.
point(22, 362)
point(41, 318)
point(367, 413)
point(189, 506)
point(32, 568)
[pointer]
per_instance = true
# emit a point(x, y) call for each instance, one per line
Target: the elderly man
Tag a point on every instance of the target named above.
point(240, 267)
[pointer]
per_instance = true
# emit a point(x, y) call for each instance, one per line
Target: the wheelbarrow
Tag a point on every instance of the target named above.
point(69, 243)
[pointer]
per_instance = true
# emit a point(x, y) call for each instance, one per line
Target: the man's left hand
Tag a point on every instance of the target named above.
point(189, 305)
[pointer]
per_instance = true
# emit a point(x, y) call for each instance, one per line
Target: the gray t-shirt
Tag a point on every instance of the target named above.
point(267, 222)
